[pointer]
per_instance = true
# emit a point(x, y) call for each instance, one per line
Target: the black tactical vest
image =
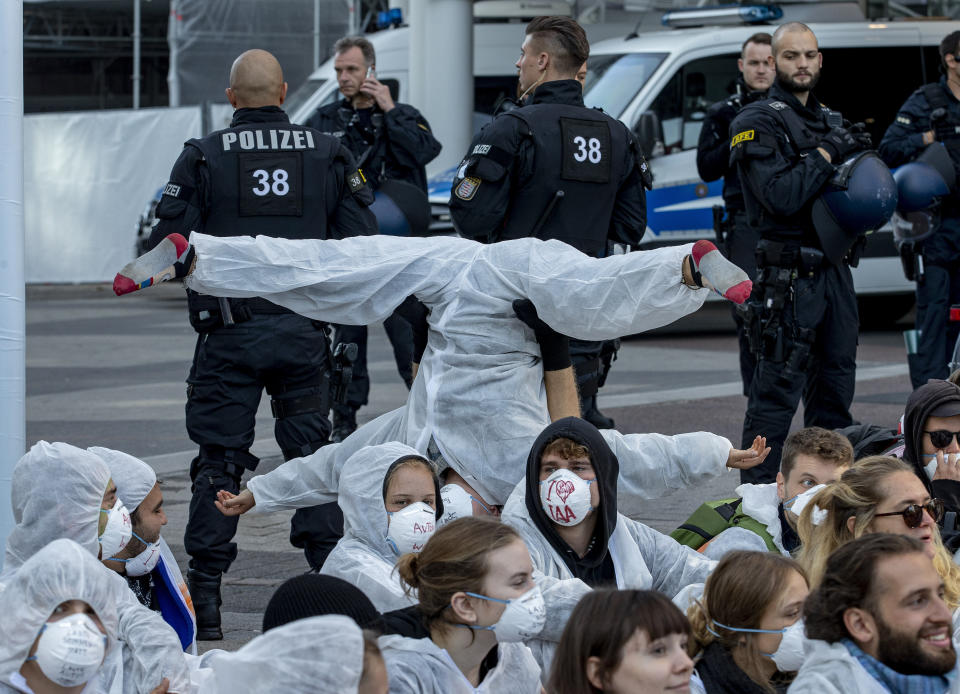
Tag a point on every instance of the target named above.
point(803, 138)
point(581, 152)
point(266, 178)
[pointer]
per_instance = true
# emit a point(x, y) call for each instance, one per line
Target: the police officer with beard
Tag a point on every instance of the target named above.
point(738, 238)
point(802, 317)
point(555, 169)
point(932, 115)
point(262, 175)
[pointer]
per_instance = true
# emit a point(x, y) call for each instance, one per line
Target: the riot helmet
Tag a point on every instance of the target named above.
point(860, 197)
point(923, 181)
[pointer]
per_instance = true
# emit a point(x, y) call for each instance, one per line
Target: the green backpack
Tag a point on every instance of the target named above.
point(712, 518)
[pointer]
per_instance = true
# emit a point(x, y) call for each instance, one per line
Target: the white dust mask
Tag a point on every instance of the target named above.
point(931, 466)
point(457, 503)
point(143, 563)
point(70, 650)
point(801, 500)
point(789, 654)
point(410, 528)
point(565, 497)
point(522, 619)
point(117, 532)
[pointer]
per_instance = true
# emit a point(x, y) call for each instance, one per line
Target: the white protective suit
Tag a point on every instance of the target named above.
point(56, 573)
point(57, 490)
point(642, 557)
point(419, 666)
point(135, 480)
point(479, 392)
point(828, 668)
point(308, 656)
point(760, 501)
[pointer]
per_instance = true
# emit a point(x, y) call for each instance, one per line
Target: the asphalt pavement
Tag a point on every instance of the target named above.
point(111, 371)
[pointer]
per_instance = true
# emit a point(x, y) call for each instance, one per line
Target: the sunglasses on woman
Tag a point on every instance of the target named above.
point(941, 438)
point(913, 514)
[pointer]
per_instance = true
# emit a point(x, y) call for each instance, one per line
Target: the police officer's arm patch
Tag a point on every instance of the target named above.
point(467, 188)
point(744, 136)
point(356, 181)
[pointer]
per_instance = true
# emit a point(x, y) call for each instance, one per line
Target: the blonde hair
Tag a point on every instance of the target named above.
point(736, 594)
point(856, 495)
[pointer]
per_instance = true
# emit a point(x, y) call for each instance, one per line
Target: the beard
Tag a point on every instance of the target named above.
point(902, 652)
point(793, 87)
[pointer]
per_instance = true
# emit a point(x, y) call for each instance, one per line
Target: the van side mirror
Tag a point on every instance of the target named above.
point(649, 133)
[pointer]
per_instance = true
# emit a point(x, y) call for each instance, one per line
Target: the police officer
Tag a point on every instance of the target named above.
point(554, 169)
point(932, 114)
point(262, 175)
point(392, 144)
point(803, 311)
point(738, 238)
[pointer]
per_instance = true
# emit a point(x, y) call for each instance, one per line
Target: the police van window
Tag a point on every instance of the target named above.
point(682, 104)
point(302, 94)
point(873, 98)
point(613, 80)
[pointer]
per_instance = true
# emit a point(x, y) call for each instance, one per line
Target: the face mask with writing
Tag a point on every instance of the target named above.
point(565, 497)
point(410, 528)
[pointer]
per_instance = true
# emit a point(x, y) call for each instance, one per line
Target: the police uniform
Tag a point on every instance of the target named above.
point(734, 234)
point(555, 169)
point(262, 175)
point(802, 315)
point(932, 107)
point(395, 145)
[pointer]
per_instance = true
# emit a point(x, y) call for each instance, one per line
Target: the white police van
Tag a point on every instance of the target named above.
point(661, 83)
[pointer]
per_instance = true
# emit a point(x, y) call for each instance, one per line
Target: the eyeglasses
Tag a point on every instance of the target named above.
point(913, 514)
point(941, 438)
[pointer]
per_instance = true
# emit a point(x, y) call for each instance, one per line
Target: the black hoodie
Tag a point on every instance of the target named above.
point(920, 404)
point(596, 568)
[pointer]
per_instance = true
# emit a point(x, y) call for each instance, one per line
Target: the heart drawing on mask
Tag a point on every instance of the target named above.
point(564, 489)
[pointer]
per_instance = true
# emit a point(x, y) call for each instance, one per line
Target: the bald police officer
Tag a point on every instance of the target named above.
point(262, 175)
point(555, 169)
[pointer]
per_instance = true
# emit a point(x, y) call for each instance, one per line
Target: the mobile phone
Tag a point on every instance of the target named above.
point(371, 73)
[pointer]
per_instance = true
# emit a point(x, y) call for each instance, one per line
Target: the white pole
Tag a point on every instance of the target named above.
point(173, 75)
point(441, 72)
point(316, 35)
point(12, 321)
point(136, 53)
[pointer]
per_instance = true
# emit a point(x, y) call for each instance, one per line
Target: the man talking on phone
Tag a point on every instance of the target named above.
point(392, 144)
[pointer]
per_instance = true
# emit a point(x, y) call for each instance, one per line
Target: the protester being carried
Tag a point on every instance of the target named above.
point(478, 598)
point(623, 642)
point(58, 492)
point(748, 626)
point(879, 622)
point(147, 563)
point(59, 624)
point(478, 397)
point(761, 518)
point(566, 512)
point(878, 494)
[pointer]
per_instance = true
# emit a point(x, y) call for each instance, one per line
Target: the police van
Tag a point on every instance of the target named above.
point(661, 83)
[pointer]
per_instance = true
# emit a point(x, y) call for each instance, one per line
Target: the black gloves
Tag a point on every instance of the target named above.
point(841, 143)
point(554, 347)
point(415, 313)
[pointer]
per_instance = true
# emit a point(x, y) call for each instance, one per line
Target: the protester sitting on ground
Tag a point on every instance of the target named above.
point(879, 622)
point(760, 517)
point(747, 626)
point(566, 512)
point(328, 654)
point(477, 595)
point(478, 397)
point(57, 492)
point(931, 422)
point(147, 563)
point(59, 625)
point(878, 494)
point(624, 642)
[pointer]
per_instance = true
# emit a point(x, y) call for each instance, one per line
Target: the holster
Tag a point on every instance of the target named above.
point(908, 260)
point(721, 225)
point(344, 355)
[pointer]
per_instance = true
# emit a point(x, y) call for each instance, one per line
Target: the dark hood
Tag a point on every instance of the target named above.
point(607, 468)
point(920, 404)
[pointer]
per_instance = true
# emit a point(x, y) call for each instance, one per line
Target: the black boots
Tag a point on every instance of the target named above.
point(344, 423)
point(205, 592)
point(595, 416)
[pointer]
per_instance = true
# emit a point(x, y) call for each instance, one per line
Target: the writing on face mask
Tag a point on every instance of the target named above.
point(410, 528)
point(565, 497)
